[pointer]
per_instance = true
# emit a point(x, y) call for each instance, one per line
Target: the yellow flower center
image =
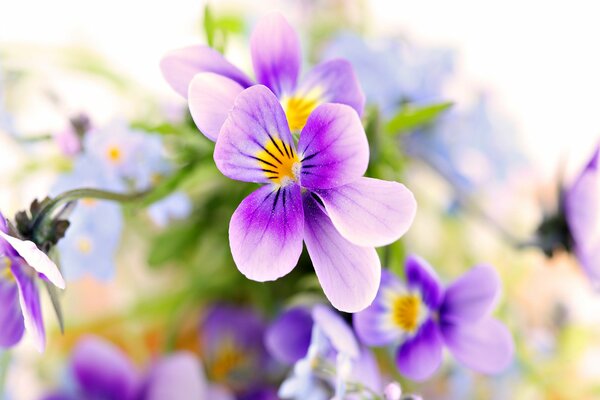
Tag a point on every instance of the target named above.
point(228, 359)
point(84, 245)
point(114, 154)
point(88, 202)
point(298, 108)
point(279, 162)
point(406, 310)
point(5, 272)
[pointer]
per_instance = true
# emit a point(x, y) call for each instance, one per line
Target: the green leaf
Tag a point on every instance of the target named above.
point(411, 117)
point(210, 26)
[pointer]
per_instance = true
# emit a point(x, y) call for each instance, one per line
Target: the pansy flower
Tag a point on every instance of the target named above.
point(211, 83)
point(422, 317)
point(582, 215)
point(22, 265)
point(313, 192)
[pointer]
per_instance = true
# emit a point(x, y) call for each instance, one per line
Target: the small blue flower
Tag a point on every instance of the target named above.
point(173, 207)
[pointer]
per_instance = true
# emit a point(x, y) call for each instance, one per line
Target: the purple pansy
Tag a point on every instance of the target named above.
point(313, 192)
point(100, 370)
point(423, 317)
point(582, 213)
point(22, 264)
point(211, 83)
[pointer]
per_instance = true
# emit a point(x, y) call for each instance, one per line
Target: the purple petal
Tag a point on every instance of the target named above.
point(374, 324)
point(265, 232)
point(421, 356)
point(275, 54)
point(336, 82)
point(366, 371)
point(29, 299)
point(255, 140)
point(336, 330)
point(370, 212)
point(11, 316)
point(177, 377)
point(333, 147)
point(420, 275)
point(471, 297)
point(349, 274)
point(3, 223)
point(103, 371)
point(179, 67)
point(210, 98)
point(485, 346)
point(288, 337)
point(36, 259)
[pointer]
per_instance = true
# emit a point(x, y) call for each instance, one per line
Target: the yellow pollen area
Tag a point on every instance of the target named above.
point(228, 359)
point(84, 245)
point(114, 154)
point(405, 312)
point(88, 202)
point(297, 108)
point(279, 161)
point(5, 272)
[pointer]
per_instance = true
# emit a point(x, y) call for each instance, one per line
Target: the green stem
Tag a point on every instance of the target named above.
point(85, 193)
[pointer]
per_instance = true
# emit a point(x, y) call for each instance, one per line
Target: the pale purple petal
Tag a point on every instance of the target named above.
point(11, 316)
point(3, 224)
point(333, 147)
point(472, 296)
point(210, 98)
point(276, 54)
point(265, 232)
point(29, 300)
point(335, 82)
point(349, 274)
point(486, 346)
point(218, 392)
point(336, 330)
point(36, 258)
point(420, 275)
point(373, 324)
point(421, 356)
point(177, 377)
point(370, 212)
point(366, 371)
point(256, 124)
point(179, 67)
point(288, 337)
point(103, 371)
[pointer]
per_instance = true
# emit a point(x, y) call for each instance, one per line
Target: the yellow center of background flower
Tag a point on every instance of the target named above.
point(228, 359)
point(114, 154)
point(298, 108)
point(84, 245)
point(405, 312)
point(279, 162)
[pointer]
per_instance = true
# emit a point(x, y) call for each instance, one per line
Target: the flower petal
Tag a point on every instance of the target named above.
point(421, 356)
point(29, 299)
point(255, 140)
point(333, 147)
point(335, 82)
point(265, 232)
point(485, 346)
point(370, 212)
point(336, 330)
point(36, 259)
point(471, 297)
point(420, 275)
point(372, 325)
point(210, 98)
point(288, 337)
point(11, 316)
point(177, 377)
point(103, 371)
point(276, 54)
point(179, 67)
point(349, 274)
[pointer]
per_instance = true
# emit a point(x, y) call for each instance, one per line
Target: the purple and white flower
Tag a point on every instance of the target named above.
point(22, 265)
point(422, 317)
point(313, 192)
point(211, 83)
point(582, 214)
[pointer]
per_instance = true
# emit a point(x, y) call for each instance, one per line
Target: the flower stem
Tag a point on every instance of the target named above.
point(84, 193)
